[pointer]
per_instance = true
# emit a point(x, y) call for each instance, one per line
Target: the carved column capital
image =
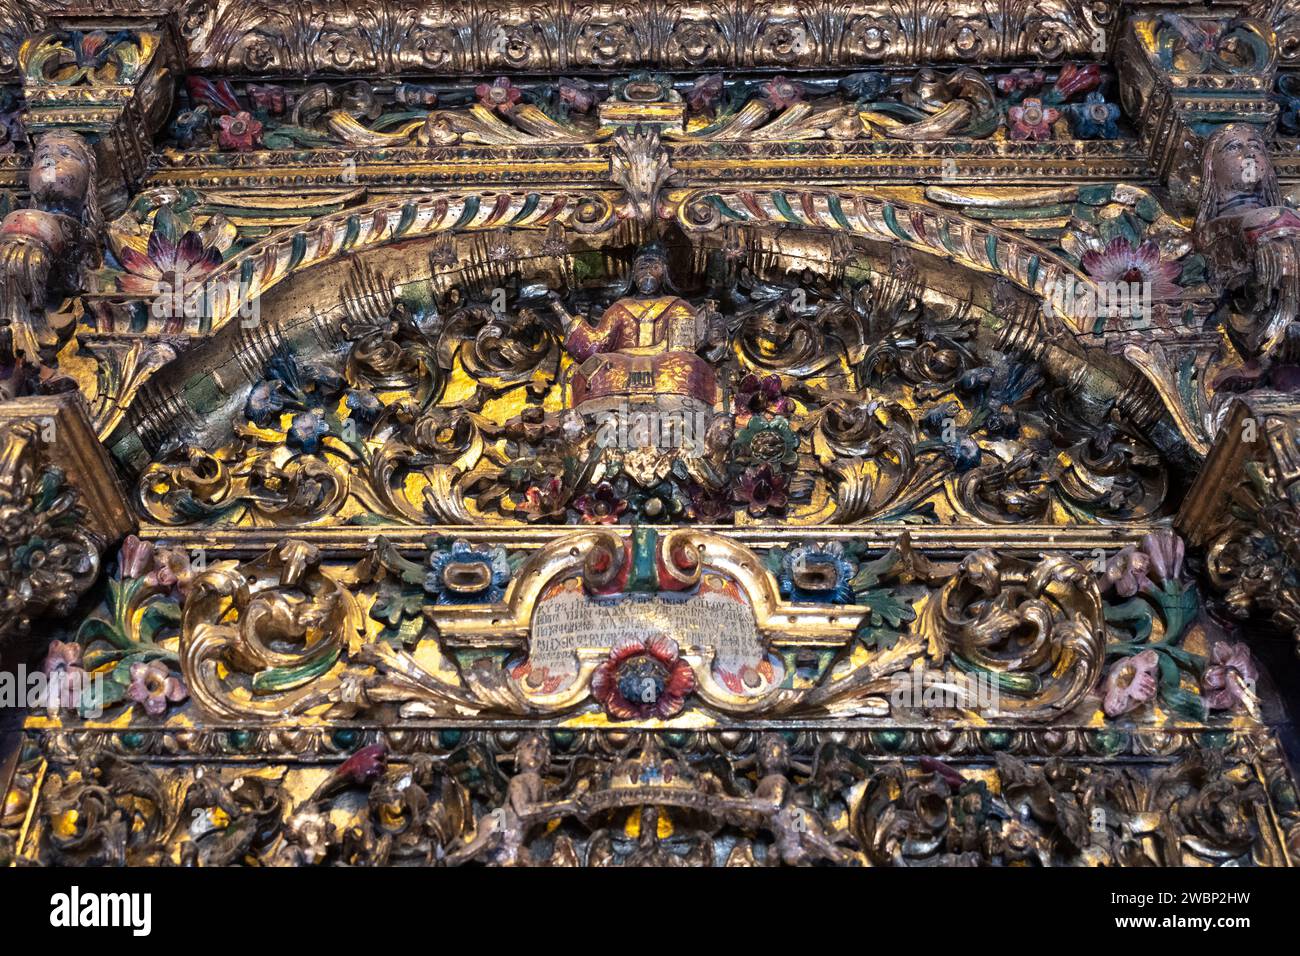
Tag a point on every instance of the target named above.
point(1182, 76)
point(1244, 508)
point(60, 506)
point(109, 77)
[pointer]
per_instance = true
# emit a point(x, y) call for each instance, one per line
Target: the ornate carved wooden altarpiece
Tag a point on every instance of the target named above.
point(679, 433)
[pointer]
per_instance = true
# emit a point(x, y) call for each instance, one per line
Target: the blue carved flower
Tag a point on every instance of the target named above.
point(463, 575)
point(1288, 120)
point(1094, 118)
point(306, 431)
point(265, 403)
point(189, 125)
point(864, 87)
point(324, 380)
point(1287, 96)
point(817, 573)
point(365, 407)
point(965, 453)
point(955, 441)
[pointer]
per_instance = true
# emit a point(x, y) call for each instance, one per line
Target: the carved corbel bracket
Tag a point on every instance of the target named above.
point(60, 506)
point(1183, 76)
point(1244, 508)
point(111, 77)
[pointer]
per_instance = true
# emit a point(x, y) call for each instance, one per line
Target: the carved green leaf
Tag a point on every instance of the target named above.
point(886, 606)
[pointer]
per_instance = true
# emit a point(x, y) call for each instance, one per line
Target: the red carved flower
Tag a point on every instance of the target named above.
point(762, 490)
point(643, 679)
point(1021, 80)
point(500, 94)
point(603, 506)
point(543, 499)
point(763, 395)
point(537, 678)
point(364, 765)
point(273, 99)
point(239, 131)
point(1076, 79)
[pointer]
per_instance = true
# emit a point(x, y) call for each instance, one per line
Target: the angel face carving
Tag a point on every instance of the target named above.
point(63, 169)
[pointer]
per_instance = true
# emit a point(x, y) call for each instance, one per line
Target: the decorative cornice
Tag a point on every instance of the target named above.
point(309, 37)
point(1181, 76)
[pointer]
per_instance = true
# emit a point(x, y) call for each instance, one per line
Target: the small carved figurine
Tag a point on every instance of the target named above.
point(801, 836)
point(642, 351)
point(1249, 238)
point(43, 251)
point(502, 834)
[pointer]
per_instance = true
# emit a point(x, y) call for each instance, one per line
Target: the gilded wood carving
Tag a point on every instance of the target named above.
point(670, 434)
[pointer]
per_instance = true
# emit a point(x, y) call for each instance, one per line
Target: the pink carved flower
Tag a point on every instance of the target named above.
point(239, 131)
point(1032, 120)
point(1165, 549)
point(578, 96)
point(643, 679)
point(154, 686)
point(1127, 571)
point(500, 95)
point(1130, 683)
point(173, 266)
point(135, 557)
point(64, 675)
point(171, 569)
point(781, 92)
point(704, 93)
point(1230, 680)
point(1120, 261)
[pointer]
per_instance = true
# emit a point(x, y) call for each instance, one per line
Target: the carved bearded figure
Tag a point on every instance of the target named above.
point(42, 252)
point(643, 348)
point(1249, 238)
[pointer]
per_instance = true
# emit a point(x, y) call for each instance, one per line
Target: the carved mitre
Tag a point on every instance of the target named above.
point(1249, 238)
